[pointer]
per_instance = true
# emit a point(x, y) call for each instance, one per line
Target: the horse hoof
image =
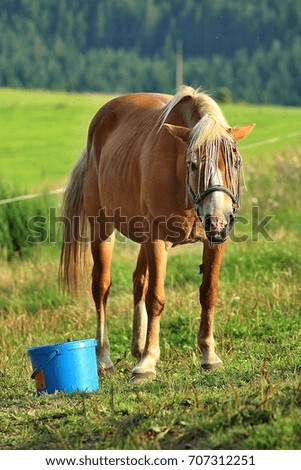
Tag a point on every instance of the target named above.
point(104, 371)
point(138, 378)
point(214, 366)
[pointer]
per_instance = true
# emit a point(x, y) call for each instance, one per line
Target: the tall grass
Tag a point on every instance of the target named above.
point(21, 222)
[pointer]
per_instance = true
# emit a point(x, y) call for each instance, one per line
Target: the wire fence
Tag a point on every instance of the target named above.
point(31, 196)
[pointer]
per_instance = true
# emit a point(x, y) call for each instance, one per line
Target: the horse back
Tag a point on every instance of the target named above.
point(116, 137)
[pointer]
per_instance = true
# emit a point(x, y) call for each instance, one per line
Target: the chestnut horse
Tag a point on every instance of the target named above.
point(163, 171)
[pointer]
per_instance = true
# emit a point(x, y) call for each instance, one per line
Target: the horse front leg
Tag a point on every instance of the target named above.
point(212, 258)
point(154, 301)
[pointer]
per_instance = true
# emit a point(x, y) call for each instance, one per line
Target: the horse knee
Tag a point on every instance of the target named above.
point(155, 303)
point(208, 297)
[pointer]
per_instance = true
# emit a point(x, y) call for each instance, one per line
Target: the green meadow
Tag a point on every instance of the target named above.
point(254, 402)
point(43, 133)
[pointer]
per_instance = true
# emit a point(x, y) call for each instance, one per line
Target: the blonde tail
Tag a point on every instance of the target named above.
point(75, 233)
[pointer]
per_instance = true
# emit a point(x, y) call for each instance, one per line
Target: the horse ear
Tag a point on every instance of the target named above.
point(179, 132)
point(241, 132)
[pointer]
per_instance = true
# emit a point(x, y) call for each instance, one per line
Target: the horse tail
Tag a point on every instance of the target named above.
point(75, 229)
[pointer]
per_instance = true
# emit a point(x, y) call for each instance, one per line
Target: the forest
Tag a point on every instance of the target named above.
point(252, 49)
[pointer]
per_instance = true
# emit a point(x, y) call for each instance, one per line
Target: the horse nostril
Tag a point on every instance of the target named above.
point(231, 221)
point(208, 223)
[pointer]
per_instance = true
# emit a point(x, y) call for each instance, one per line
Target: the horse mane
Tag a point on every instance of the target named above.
point(211, 126)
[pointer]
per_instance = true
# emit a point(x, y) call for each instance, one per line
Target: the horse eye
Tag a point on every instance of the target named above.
point(237, 164)
point(193, 166)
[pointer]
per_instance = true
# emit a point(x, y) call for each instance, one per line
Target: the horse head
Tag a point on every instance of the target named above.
point(213, 173)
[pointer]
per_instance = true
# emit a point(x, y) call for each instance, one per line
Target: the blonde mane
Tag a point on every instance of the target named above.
point(212, 125)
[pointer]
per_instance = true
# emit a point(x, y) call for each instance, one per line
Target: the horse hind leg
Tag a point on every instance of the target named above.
point(102, 248)
point(140, 286)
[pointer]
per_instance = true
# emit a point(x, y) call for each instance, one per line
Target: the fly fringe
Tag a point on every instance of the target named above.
point(75, 230)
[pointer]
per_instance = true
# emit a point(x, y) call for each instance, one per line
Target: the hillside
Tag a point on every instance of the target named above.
point(128, 45)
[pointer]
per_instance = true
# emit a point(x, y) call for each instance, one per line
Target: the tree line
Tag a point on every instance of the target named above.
point(252, 48)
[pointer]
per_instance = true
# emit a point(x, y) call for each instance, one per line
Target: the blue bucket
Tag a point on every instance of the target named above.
point(65, 367)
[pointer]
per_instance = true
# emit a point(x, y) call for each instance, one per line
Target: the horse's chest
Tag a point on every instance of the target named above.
point(196, 232)
point(188, 230)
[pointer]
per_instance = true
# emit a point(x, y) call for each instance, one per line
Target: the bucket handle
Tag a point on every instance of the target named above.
point(51, 356)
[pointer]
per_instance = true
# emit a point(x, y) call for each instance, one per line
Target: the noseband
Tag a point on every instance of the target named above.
point(198, 198)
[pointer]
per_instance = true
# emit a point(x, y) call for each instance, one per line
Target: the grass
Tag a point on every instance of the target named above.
point(253, 403)
point(43, 132)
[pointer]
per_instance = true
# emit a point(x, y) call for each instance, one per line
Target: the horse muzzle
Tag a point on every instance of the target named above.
point(218, 229)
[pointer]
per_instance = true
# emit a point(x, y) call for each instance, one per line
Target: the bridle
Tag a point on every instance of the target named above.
point(197, 199)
